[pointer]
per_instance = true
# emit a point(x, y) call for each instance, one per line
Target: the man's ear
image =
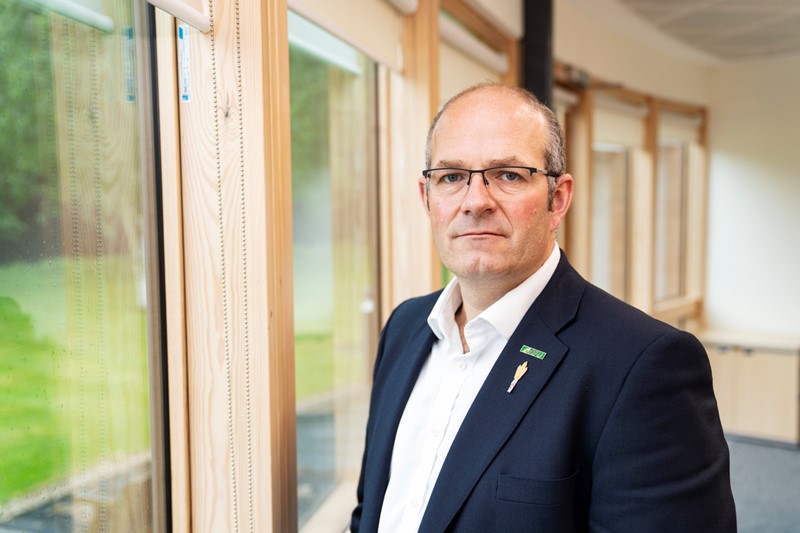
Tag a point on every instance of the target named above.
point(562, 199)
point(423, 193)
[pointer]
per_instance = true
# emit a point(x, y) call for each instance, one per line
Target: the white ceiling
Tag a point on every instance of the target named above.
point(729, 30)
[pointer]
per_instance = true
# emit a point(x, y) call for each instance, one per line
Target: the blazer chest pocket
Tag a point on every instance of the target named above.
point(536, 491)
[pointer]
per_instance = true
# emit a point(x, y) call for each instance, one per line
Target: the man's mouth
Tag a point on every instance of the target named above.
point(479, 234)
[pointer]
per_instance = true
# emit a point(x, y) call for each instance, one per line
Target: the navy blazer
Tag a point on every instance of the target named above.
point(615, 430)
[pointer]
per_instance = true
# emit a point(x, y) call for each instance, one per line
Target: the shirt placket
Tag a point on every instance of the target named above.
point(456, 372)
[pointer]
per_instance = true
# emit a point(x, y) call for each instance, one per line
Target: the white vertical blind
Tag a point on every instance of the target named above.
point(459, 71)
point(618, 122)
point(372, 26)
point(564, 100)
point(677, 127)
point(406, 7)
point(505, 15)
point(89, 12)
point(458, 37)
point(322, 44)
point(189, 11)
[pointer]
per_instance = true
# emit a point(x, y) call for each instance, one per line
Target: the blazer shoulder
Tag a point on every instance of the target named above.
point(569, 299)
point(598, 301)
point(584, 315)
point(413, 310)
point(408, 320)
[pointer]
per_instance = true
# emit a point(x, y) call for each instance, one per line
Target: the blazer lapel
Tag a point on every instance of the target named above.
point(397, 390)
point(406, 362)
point(495, 413)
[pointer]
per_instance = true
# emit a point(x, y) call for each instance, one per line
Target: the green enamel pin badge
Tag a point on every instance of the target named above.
point(533, 352)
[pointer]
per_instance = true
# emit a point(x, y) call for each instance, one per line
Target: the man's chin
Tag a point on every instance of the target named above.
point(478, 271)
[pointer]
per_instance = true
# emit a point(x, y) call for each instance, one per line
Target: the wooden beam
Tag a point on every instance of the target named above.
point(414, 100)
point(172, 234)
point(236, 168)
point(537, 69)
point(579, 157)
point(475, 23)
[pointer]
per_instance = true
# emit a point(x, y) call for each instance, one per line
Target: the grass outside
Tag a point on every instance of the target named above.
point(314, 364)
point(331, 330)
point(73, 370)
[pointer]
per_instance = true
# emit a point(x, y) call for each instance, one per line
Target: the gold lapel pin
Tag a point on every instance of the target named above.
point(521, 369)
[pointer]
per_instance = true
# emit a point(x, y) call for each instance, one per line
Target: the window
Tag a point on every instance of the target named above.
point(334, 187)
point(75, 424)
point(610, 219)
point(670, 221)
point(618, 132)
point(679, 196)
point(565, 104)
point(459, 71)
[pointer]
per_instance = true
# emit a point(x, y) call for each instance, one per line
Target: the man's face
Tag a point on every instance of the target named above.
point(483, 234)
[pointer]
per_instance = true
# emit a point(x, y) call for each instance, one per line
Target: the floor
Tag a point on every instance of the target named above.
point(766, 486)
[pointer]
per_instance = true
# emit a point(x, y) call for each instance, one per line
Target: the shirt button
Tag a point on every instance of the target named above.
point(435, 433)
point(415, 503)
point(462, 365)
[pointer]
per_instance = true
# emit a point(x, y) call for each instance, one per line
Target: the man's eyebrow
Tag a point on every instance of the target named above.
point(502, 162)
point(506, 161)
point(450, 163)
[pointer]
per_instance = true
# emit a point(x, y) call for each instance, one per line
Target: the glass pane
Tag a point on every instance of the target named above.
point(670, 221)
point(74, 403)
point(335, 259)
point(610, 219)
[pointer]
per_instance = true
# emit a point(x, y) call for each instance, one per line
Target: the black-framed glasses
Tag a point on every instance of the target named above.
point(509, 179)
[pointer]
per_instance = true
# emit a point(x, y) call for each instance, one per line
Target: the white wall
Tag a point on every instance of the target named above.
point(753, 255)
point(596, 36)
point(753, 275)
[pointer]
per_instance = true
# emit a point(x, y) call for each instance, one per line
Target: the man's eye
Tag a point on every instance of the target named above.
point(510, 175)
point(451, 178)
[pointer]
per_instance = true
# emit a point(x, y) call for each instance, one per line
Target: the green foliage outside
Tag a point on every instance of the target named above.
point(314, 361)
point(67, 401)
point(314, 364)
point(74, 389)
point(28, 176)
point(329, 333)
point(32, 447)
point(309, 112)
point(73, 362)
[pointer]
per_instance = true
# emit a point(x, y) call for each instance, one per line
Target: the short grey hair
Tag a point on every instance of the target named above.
point(554, 151)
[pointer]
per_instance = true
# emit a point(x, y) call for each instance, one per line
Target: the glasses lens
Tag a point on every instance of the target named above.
point(510, 180)
point(447, 181)
point(507, 180)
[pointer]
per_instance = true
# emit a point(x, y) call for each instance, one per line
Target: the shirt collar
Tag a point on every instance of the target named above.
point(444, 311)
point(506, 313)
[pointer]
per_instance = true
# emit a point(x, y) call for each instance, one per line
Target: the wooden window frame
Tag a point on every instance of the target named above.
point(201, 303)
point(208, 142)
point(685, 310)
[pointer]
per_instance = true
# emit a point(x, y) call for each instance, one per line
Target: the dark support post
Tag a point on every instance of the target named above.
point(537, 49)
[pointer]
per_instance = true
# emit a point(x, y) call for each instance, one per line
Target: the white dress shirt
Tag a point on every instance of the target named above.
point(445, 389)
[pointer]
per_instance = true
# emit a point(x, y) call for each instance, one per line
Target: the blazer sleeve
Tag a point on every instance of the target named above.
point(662, 462)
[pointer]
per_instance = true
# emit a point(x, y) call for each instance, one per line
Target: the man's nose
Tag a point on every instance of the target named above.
point(481, 174)
point(478, 197)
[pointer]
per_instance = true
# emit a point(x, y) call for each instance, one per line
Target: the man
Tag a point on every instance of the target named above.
point(521, 397)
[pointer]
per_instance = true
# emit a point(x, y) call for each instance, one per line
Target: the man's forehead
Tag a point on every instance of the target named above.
point(503, 161)
point(492, 100)
point(503, 134)
point(491, 112)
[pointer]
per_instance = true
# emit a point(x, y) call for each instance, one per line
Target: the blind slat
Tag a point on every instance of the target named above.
point(185, 12)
